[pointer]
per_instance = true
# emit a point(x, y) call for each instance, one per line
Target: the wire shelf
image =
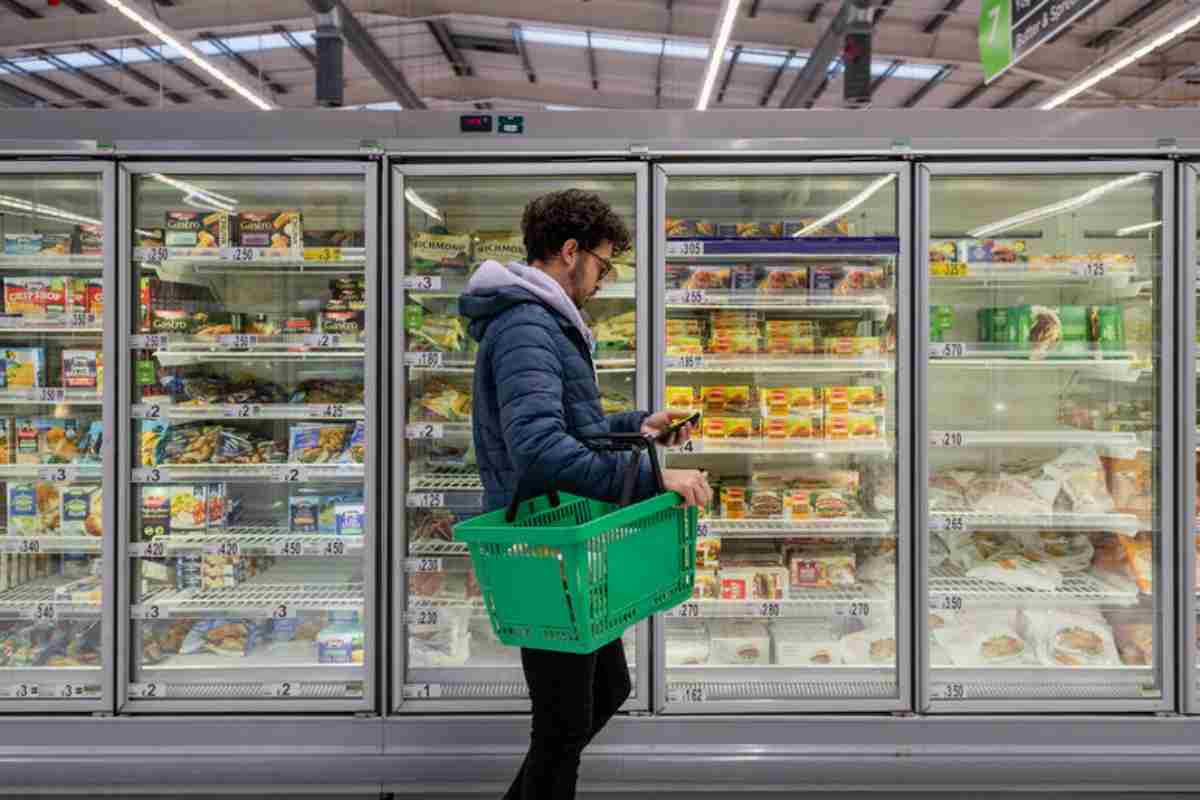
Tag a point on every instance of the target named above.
point(981, 520)
point(1077, 589)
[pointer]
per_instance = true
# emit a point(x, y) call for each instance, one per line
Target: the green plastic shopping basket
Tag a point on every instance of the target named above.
point(566, 573)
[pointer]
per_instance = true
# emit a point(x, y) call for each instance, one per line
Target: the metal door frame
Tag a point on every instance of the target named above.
point(399, 172)
point(107, 172)
point(1186, 462)
point(126, 303)
point(1165, 644)
point(904, 398)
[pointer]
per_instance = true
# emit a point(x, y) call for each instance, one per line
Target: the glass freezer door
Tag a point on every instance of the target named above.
point(56, 417)
point(782, 326)
point(1048, 423)
point(1189, 434)
point(448, 221)
point(249, 325)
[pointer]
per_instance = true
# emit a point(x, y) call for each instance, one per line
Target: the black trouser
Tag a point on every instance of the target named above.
point(573, 697)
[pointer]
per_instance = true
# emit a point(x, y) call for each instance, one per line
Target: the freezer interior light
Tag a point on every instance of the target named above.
point(1145, 226)
point(30, 209)
point(422, 203)
point(133, 12)
point(196, 197)
point(1054, 209)
point(716, 53)
point(848, 206)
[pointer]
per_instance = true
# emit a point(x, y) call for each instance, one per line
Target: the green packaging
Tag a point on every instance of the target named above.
point(992, 324)
point(1073, 322)
point(1106, 327)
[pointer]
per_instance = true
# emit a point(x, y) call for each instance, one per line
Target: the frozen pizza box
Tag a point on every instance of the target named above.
point(22, 244)
point(199, 229)
point(88, 240)
point(22, 367)
point(277, 230)
point(36, 295)
point(81, 369)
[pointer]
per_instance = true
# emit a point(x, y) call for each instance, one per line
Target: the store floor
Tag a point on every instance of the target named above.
point(628, 795)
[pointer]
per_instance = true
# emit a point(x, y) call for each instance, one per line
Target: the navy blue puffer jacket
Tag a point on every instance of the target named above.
point(535, 390)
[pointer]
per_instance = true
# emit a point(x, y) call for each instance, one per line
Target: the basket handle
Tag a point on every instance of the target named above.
point(602, 442)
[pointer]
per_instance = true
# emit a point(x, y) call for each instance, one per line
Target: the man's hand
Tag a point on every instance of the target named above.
point(692, 485)
point(656, 427)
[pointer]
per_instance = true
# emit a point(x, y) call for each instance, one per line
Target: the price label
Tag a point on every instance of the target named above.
point(148, 550)
point(861, 609)
point(422, 691)
point(322, 340)
point(149, 475)
point(424, 360)
point(685, 362)
point(1089, 269)
point(946, 269)
point(954, 691)
point(685, 249)
point(148, 691)
point(322, 254)
point(25, 691)
point(425, 430)
point(426, 500)
point(227, 548)
point(415, 565)
point(241, 254)
point(150, 612)
point(284, 689)
point(50, 394)
point(150, 341)
point(951, 523)
point(949, 602)
point(243, 410)
point(688, 694)
point(44, 612)
point(687, 296)
point(702, 528)
point(423, 616)
point(421, 283)
point(948, 350)
point(58, 474)
point(690, 446)
point(146, 411)
point(947, 439)
point(64, 691)
point(768, 610)
point(29, 546)
point(685, 611)
point(152, 255)
point(80, 319)
point(333, 549)
point(289, 547)
point(332, 411)
point(288, 474)
point(281, 611)
point(239, 341)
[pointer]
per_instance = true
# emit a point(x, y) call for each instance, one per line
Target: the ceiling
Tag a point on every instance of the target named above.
point(576, 54)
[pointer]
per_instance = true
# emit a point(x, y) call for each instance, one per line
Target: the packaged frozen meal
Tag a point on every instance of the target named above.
point(783, 401)
point(840, 280)
point(707, 585)
point(804, 643)
point(795, 426)
point(35, 295)
point(189, 510)
point(985, 639)
point(821, 567)
point(780, 279)
point(733, 501)
point(317, 443)
point(500, 246)
point(156, 511)
point(7, 442)
point(438, 253)
point(304, 514)
point(753, 583)
point(277, 230)
point(871, 646)
point(739, 642)
point(81, 510)
point(687, 644)
point(205, 230)
point(81, 369)
point(24, 518)
point(24, 367)
point(22, 244)
point(88, 240)
point(720, 399)
point(1070, 637)
point(852, 347)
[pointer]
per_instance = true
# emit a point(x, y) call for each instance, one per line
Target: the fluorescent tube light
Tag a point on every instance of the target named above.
point(1054, 209)
point(135, 13)
point(1145, 226)
point(848, 206)
point(1179, 28)
point(193, 195)
point(422, 204)
point(28, 209)
point(716, 52)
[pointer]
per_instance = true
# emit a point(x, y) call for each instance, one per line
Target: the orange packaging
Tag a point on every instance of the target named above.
point(681, 398)
point(864, 426)
point(712, 398)
point(800, 426)
point(836, 399)
point(865, 398)
point(837, 426)
point(797, 504)
point(733, 502)
point(783, 401)
point(1139, 560)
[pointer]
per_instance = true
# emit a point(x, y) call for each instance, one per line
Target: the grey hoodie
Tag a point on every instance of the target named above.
point(492, 275)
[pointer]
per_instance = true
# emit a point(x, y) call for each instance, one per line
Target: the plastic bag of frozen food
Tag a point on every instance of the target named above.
point(877, 564)
point(446, 643)
point(1011, 494)
point(687, 644)
point(739, 642)
point(883, 489)
point(938, 551)
point(1069, 552)
point(805, 643)
point(1069, 637)
point(984, 639)
point(1131, 483)
point(1135, 642)
point(870, 646)
point(1081, 477)
point(1016, 570)
point(946, 493)
point(1139, 556)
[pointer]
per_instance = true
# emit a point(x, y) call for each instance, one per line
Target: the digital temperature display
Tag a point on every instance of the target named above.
point(475, 123)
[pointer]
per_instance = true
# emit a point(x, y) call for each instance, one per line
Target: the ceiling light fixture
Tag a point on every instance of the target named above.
point(134, 12)
point(422, 204)
point(1177, 29)
point(847, 207)
point(193, 195)
point(29, 209)
point(716, 53)
point(1054, 209)
point(1145, 226)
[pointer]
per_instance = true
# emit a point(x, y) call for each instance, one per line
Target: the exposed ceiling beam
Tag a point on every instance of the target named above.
point(927, 87)
point(887, 73)
point(935, 23)
point(290, 38)
point(970, 97)
point(775, 78)
point(658, 70)
point(16, 97)
point(441, 33)
point(591, 59)
point(134, 75)
point(733, 59)
point(753, 11)
point(91, 80)
point(43, 81)
point(1126, 23)
point(79, 7)
point(518, 35)
point(814, 12)
point(854, 14)
point(255, 73)
point(1016, 95)
point(22, 11)
point(367, 51)
point(180, 70)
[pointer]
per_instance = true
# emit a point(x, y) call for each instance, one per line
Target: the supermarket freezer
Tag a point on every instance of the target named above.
point(448, 219)
point(1046, 432)
point(784, 323)
point(249, 322)
point(1187, 353)
point(57, 414)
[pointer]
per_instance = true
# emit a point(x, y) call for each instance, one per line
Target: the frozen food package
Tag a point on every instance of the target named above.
point(877, 562)
point(1066, 551)
point(36, 296)
point(1011, 494)
point(938, 552)
point(1009, 568)
point(821, 567)
point(1081, 476)
point(23, 367)
point(438, 253)
point(80, 369)
point(798, 426)
point(739, 642)
point(233, 638)
point(708, 551)
point(985, 639)
point(1039, 327)
point(444, 644)
point(709, 278)
point(804, 643)
point(499, 246)
point(687, 644)
point(1131, 484)
point(1135, 642)
point(1139, 558)
point(80, 510)
point(882, 488)
point(681, 398)
point(780, 278)
point(335, 644)
point(189, 509)
point(7, 442)
point(946, 493)
point(753, 583)
point(783, 401)
point(1070, 637)
point(24, 519)
point(872, 646)
point(707, 585)
point(22, 244)
point(312, 443)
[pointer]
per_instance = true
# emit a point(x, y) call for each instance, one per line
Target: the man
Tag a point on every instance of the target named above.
point(535, 391)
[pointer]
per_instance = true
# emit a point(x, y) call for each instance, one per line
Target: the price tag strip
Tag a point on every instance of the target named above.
point(687, 693)
point(425, 360)
point(147, 691)
point(422, 691)
point(688, 447)
point(948, 350)
point(426, 500)
point(423, 565)
point(323, 340)
point(685, 249)
point(50, 691)
point(951, 691)
point(191, 604)
point(58, 474)
point(425, 430)
point(685, 362)
point(238, 341)
point(154, 549)
point(421, 283)
point(153, 341)
point(695, 297)
point(946, 439)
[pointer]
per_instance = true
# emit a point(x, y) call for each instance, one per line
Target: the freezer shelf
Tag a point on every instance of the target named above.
point(248, 411)
point(248, 473)
point(51, 396)
point(45, 600)
point(817, 447)
point(771, 364)
point(712, 683)
point(51, 683)
point(52, 263)
point(939, 440)
point(250, 540)
point(58, 473)
point(311, 258)
point(782, 529)
point(1082, 276)
point(33, 545)
point(1126, 524)
point(446, 287)
point(860, 601)
point(441, 362)
point(1042, 683)
point(949, 588)
point(447, 480)
point(824, 247)
point(853, 303)
point(251, 601)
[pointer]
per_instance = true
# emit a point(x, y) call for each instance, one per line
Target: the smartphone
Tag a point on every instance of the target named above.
point(676, 426)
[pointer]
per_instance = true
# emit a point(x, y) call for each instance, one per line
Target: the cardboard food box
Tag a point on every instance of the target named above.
point(81, 369)
point(23, 367)
point(35, 295)
point(156, 511)
point(23, 516)
point(22, 244)
point(55, 244)
point(75, 506)
point(88, 240)
point(199, 229)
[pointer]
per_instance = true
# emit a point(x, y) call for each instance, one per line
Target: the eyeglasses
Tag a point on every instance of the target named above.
point(606, 266)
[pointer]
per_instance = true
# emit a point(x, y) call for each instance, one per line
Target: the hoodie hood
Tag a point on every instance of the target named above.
point(493, 288)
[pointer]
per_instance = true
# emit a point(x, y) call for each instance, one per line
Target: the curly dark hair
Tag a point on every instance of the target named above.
point(553, 218)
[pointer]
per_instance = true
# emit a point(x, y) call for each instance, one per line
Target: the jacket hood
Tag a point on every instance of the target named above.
point(494, 288)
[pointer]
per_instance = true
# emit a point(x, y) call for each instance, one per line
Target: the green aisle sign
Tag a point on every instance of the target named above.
point(1009, 30)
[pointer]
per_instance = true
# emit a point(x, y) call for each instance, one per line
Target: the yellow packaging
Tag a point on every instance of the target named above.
point(782, 401)
point(681, 398)
point(797, 504)
point(853, 347)
point(739, 427)
point(791, 346)
point(684, 346)
point(836, 399)
point(733, 502)
point(725, 398)
point(837, 426)
point(865, 426)
point(800, 426)
point(865, 398)
point(708, 551)
point(713, 428)
point(684, 327)
point(790, 327)
point(744, 343)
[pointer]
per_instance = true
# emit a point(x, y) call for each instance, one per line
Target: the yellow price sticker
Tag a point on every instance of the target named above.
point(946, 269)
point(322, 254)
